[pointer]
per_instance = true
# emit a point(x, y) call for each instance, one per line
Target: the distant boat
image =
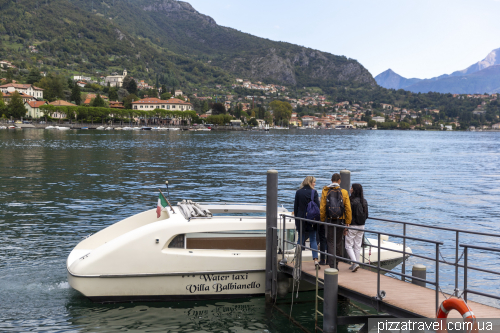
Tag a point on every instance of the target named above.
point(118, 128)
point(174, 129)
point(3, 127)
point(144, 128)
point(84, 128)
point(51, 127)
point(62, 128)
point(100, 128)
point(266, 128)
point(127, 128)
point(108, 128)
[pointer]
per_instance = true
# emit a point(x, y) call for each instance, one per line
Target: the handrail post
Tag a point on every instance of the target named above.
point(335, 246)
point(437, 277)
point(271, 222)
point(456, 263)
point(283, 239)
point(465, 273)
point(378, 267)
point(403, 267)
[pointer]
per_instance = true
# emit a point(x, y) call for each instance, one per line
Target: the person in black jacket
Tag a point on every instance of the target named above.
point(302, 199)
point(354, 238)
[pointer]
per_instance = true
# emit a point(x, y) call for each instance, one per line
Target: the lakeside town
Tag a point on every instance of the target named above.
point(243, 103)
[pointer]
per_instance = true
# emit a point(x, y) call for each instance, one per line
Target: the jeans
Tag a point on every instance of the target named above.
point(312, 240)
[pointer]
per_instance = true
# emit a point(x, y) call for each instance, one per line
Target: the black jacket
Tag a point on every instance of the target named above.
point(357, 207)
point(302, 198)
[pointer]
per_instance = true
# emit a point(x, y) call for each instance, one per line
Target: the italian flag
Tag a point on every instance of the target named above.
point(162, 205)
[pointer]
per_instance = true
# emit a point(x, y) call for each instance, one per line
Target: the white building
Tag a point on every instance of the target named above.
point(379, 119)
point(81, 78)
point(151, 103)
point(115, 80)
point(27, 89)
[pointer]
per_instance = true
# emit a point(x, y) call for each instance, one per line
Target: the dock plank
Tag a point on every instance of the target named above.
point(417, 299)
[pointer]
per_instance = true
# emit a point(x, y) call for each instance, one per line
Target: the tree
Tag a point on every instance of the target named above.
point(98, 102)
point(218, 108)
point(33, 76)
point(282, 111)
point(268, 117)
point(76, 95)
point(113, 94)
point(127, 101)
point(165, 96)
point(53, 86)
point(2, 105)
point(253, 122)
point(16, 107)
point(130, 84)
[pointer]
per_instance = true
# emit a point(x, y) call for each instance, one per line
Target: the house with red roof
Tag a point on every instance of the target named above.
point(33, 108)
point(27, 89)
point(8, 95)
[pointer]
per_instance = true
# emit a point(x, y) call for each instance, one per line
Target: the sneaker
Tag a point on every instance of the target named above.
point(316, 263)
point(355, 268)
point(352, 267)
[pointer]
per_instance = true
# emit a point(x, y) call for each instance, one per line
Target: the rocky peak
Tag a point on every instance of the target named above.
point(178, 8)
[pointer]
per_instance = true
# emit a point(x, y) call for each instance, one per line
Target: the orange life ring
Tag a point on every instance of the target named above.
point(455, 304)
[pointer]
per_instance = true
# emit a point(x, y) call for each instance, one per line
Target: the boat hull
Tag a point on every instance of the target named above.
point(170, 287)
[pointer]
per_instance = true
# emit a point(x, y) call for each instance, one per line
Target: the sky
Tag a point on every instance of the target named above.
point(415, 38)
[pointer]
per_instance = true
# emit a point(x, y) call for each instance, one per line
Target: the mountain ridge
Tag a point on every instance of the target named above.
point(162, 38)
point(450, 83)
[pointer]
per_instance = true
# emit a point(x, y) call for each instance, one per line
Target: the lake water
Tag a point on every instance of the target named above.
point(57, 187)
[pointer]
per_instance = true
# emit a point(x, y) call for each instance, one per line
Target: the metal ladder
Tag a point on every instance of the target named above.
point(318, 297)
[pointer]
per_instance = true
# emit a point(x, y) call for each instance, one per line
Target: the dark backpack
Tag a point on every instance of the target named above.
point(335, 203)
point(312, 210)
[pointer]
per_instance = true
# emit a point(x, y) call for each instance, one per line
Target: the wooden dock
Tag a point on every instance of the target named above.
point(402, 299)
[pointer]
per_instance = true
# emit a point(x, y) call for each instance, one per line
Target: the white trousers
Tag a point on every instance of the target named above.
point(353, 241)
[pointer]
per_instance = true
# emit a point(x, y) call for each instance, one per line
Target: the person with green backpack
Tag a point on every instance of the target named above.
point(335, 209)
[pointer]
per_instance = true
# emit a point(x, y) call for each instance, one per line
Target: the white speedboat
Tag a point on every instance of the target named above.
point(126, 128)
point(62, 128)
point(174, 129)
point(100, 128)
point(51, 127)
point(187, 253)
point(3, 127)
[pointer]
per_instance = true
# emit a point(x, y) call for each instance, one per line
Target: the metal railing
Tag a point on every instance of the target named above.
point(457, 232)
point(456, 262)
point(467, 267)
point(378, 268)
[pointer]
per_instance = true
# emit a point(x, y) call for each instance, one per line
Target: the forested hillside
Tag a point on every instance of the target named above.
point(168, 39)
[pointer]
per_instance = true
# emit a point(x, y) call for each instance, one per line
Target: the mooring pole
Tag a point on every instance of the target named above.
point(271, 222)
point(345, 180)
point(330, 295)
point(419, 271)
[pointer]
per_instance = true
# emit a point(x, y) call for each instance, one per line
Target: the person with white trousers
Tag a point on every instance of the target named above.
point(354, 238)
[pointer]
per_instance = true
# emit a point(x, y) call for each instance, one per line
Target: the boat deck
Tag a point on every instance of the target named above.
point(417, 300)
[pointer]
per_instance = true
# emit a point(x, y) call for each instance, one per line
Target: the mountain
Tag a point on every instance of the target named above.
point(389, 79)
point(161, 38)
point(492, 59)
point(486, 80)
point(478, 78)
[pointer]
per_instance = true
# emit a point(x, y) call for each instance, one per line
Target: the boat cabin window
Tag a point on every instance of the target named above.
point(227, 240)
point(178, 242)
